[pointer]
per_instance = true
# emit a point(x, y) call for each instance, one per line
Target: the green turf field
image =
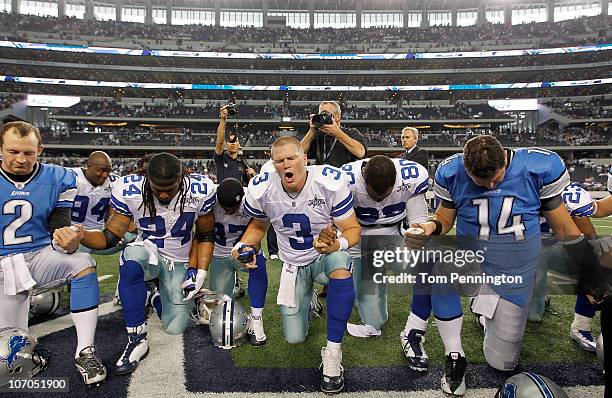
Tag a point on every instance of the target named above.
point(553, 331)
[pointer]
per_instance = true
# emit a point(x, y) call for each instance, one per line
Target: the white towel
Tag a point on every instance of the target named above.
point(286, 289)
point(151, 248)
point(17, 277)
point(486, 302)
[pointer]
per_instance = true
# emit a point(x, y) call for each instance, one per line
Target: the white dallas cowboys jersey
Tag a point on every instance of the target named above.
point(325, 197)
point(268, 166)
point(411, 180)
point(228, 229)
point(578, 202)
point(169, 230)
point(91, 203)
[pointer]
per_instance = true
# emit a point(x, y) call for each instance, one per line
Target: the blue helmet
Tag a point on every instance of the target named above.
point(530, 385)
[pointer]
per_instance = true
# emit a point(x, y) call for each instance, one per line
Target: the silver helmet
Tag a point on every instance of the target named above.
point(599, 347)
point(17, 356)
point(530, 385)
point(44, 302)
point(228, 324)
point(203, 304)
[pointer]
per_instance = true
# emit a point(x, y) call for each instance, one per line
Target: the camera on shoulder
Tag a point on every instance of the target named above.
point(231, 109)
point(322, 118)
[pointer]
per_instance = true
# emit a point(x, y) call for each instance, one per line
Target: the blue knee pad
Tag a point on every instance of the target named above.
point(584, 306)
point(446, 307)
point(84, 293)
point(258, 283)
point(132, 292)
point(340, 299)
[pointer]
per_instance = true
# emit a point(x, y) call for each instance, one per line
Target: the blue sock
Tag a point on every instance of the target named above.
point(340, 299)
point(132, 292)
point(421, 305)
point(584, 306)
point(258, 283)
point(84, 293)
point(446, 306)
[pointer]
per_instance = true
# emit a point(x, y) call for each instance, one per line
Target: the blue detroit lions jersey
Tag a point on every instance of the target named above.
point(512, 208)
point(504, 221)
point(26, 207)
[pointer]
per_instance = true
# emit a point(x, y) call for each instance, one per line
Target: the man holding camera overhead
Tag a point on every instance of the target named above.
point(329, 143)
point(227, 162)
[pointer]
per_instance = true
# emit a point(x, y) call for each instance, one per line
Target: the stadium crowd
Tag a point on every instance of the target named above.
point(182, 109)
point(597, 108)
point(438, 36)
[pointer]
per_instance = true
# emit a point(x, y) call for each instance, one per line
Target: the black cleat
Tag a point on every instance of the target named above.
point(90, 366)
point(412, 345)
point(453, 381)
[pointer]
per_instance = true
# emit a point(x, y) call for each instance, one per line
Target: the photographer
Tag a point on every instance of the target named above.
point(329, 143)
point(228, 163)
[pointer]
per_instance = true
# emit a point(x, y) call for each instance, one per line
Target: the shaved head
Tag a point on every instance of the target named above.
point(98, 157)
point(98, 168)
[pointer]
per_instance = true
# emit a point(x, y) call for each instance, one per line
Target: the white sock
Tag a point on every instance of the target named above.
point(333, 346)
point(257, 312)
point(85, 323)
point(415, 322)
point(581, 322)
point(450, 332)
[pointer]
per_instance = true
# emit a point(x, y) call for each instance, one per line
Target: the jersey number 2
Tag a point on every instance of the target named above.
point(9, 236)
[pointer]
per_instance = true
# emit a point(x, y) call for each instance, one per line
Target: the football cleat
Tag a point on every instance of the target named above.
point(90, 366)
point(584, 339)
point(332, 372)
point(257, 336)
point(135, 351)
point(414, 351)
point(453, 381)
point(316, 308)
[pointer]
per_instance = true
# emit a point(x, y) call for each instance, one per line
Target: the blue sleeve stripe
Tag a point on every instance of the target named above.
point(251, 211)
point(206, 209)
point(585, 210)
point(122, 208)
point(423, 187)
point(341, 211)
point(208, 204)
point(349, 198)
point(64, 203)
point(68, 188)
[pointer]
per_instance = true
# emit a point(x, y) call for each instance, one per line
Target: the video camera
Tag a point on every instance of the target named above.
point(322, 118)
point(231, 109)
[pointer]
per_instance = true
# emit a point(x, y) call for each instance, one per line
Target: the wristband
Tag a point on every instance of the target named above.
point(438, 229)
point(343, 243)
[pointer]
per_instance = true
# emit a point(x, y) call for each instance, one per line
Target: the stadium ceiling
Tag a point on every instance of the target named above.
point(331, 5)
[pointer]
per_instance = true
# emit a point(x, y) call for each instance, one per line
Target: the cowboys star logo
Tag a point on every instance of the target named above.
point(404, 187)
point(316, 202)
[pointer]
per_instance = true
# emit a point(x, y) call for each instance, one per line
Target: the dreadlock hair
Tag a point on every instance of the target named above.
point(164, 169)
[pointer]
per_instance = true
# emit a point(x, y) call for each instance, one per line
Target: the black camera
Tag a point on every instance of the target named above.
point(322, 118)
point(231, 109)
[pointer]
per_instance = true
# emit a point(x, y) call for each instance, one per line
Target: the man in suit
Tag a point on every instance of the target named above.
point(410, 137)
